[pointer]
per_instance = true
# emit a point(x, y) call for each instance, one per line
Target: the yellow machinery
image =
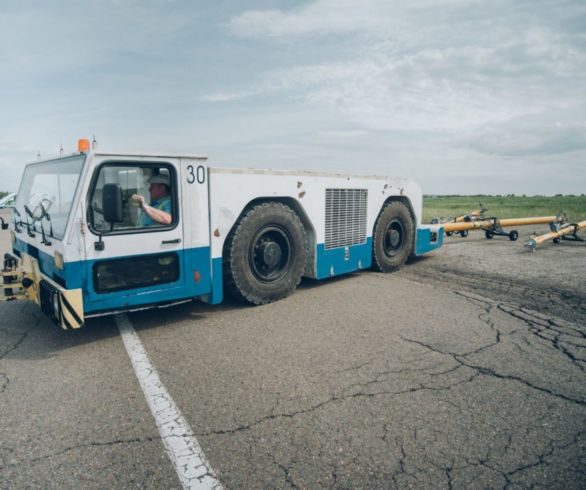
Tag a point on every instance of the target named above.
point(471, 216)
point(16, 281)
point(494, 226)
point(556, 234)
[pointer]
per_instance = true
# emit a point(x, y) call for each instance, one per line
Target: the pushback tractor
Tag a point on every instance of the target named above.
point(95, 233)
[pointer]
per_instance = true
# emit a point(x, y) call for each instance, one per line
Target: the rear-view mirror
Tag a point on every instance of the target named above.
point(112, 203)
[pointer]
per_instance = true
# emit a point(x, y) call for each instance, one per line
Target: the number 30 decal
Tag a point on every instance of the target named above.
point(198, 174)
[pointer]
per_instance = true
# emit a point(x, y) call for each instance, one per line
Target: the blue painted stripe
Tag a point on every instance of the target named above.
point(72, 275)
point(188, 285)
point(78, 275)
point(207, 283)
point(333, 262)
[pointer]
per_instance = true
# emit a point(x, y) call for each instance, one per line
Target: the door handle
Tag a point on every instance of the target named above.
point(177, 240)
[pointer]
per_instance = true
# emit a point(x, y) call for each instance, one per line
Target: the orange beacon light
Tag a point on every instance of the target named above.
point(83, 145)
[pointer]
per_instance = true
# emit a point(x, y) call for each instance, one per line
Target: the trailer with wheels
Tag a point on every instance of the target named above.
point(95, 233)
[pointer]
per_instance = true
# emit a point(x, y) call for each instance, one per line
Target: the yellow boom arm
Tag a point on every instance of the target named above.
point(571, 229)
point(474, 225)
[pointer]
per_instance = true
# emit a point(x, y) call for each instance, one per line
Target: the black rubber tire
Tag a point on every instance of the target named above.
point(265, 254)
point(513, 235)
point(488, 234)
point(392, 240)
point(449, 233)
point(464, 233)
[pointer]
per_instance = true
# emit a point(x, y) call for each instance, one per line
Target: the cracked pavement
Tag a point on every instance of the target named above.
point(366, 381)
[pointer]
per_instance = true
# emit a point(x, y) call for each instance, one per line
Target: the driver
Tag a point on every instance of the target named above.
point(159, 210)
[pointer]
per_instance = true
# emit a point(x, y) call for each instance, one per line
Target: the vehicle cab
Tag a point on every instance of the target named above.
point(77, 223)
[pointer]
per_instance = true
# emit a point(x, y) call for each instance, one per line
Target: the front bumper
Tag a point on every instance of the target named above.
point(23, 280)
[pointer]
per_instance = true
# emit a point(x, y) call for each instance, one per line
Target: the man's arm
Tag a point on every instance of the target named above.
point(157, 215)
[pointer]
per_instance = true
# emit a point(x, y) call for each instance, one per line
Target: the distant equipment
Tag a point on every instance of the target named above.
point(7, 202)
point(494, 226)
point(559, 231)
point(471, 216)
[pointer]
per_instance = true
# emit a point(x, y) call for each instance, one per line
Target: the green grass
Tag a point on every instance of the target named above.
point(505, 206)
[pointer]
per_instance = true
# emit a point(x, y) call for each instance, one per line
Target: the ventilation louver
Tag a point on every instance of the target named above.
point(345, 217)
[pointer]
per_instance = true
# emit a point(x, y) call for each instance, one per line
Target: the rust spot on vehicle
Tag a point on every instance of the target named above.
point(386, 185)
point(401, 191)
point(299, 184)
point(301, 194)
point(216, 232)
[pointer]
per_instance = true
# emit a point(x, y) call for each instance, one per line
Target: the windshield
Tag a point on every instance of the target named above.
point(46, 194)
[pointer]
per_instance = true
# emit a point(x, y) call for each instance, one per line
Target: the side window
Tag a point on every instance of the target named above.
point(148, 197)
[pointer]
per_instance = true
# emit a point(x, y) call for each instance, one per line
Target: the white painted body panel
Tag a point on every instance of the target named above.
point(231, 190)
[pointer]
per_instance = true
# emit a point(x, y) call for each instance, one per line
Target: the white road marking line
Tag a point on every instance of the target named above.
point(191, 466)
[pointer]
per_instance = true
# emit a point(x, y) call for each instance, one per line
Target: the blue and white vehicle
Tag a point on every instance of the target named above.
point(8, 201)
point(79, 250)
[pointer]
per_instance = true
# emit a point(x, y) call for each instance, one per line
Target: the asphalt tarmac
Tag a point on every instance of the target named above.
point(364, 381)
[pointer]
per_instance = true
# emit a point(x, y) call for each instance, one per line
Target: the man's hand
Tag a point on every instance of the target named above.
point(137, 200)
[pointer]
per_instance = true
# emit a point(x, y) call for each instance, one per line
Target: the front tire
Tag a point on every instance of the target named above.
point(392, 237)
point(264, 256)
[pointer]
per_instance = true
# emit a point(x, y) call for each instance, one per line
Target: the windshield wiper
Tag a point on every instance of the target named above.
point(28, 225)
point(17, 223)
point(46, 215)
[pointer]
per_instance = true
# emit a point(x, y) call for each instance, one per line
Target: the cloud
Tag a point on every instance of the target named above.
point(552, 132)
point(463, 66)
point(322, 17)
point(421, 86)
point(51, 41)
point(478, 89)
point(229, 96)
point(343, 134)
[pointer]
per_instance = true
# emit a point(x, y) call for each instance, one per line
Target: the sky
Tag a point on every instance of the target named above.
point(464, 96)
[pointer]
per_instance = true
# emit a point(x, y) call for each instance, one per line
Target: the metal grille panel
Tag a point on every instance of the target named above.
point(345, 217)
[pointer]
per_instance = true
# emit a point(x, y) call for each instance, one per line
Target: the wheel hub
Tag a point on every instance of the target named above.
point(394, 238)
point(271, 254)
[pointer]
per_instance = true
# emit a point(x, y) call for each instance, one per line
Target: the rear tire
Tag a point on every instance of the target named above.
point(264, 255)
point(392, 238)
